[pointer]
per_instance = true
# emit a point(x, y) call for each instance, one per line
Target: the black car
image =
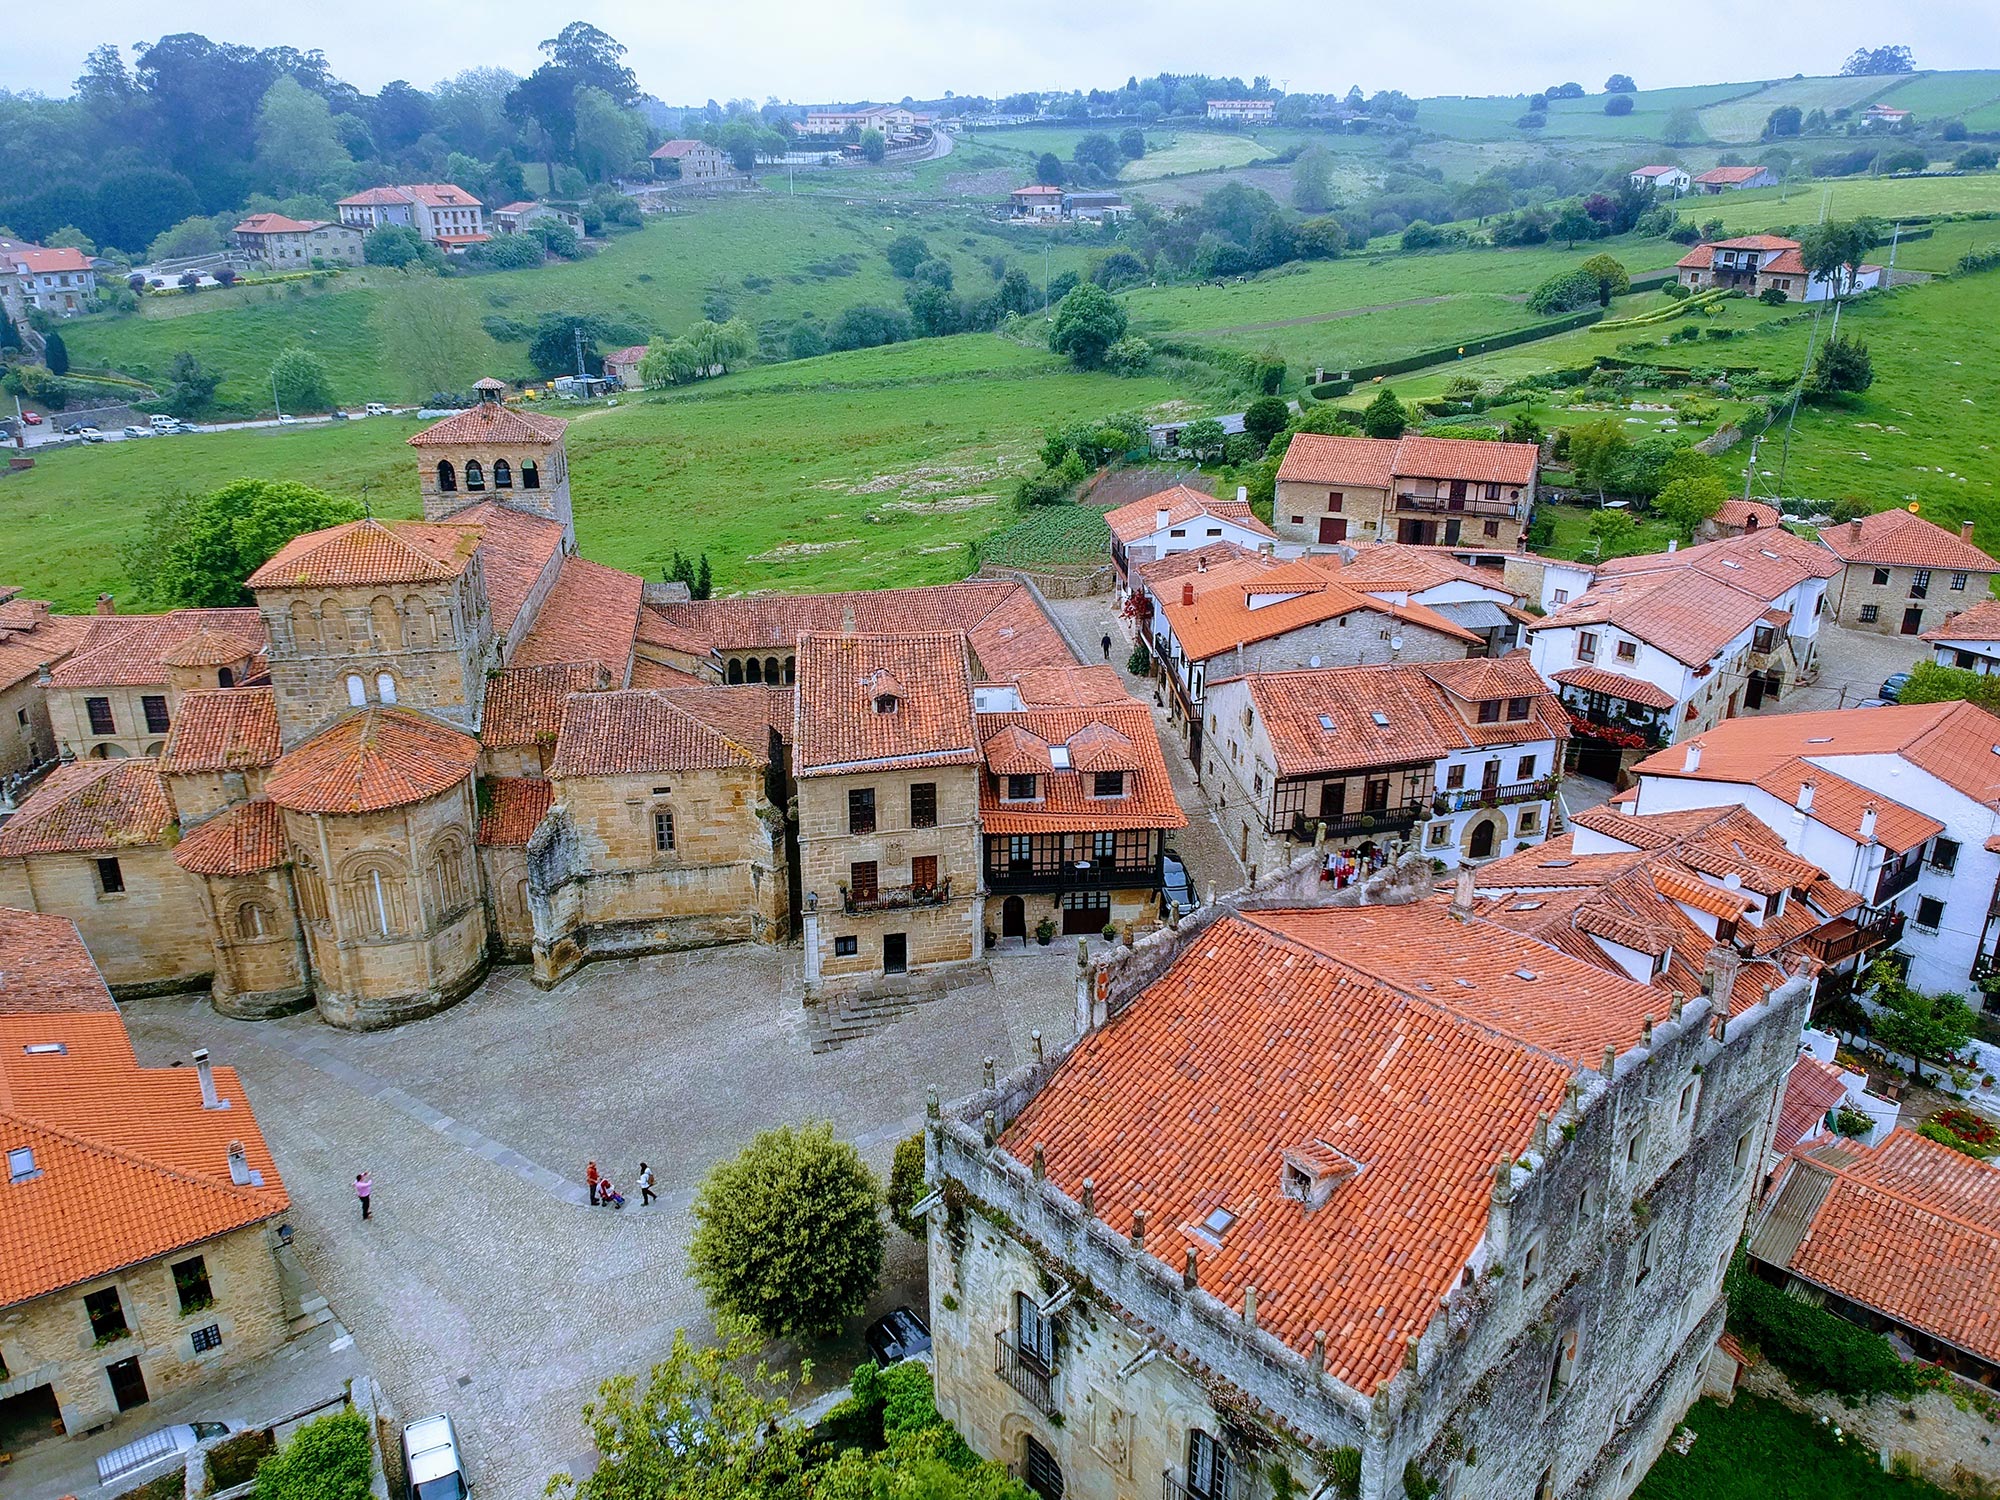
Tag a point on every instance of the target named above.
point(1893, 685)
point(898, 1336)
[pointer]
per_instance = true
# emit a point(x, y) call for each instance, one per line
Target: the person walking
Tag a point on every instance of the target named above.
point(1107, 645)
point(646, 1193)
point(364, 1189)
point(590, 1179)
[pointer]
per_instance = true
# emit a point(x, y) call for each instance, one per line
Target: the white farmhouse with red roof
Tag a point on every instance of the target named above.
point(1673, 181)
point(1180, 519)
point(441, 212)
point(1759, 263)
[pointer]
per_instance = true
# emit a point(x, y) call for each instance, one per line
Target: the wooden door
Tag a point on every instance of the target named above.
point(1332, 529)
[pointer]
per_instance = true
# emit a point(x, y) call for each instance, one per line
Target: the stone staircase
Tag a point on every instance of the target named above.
point(841, 1019)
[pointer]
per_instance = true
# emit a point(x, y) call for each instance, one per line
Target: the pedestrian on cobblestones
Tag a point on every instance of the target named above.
point(590, 1181)
point(1107, 645)
point(364, 1189)
point(646, 1193)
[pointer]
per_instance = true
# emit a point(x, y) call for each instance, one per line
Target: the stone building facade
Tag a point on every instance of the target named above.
point(1239, 1304)
point(1903, 575)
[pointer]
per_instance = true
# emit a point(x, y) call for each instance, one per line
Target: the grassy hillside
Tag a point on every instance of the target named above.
point(1942, 95)
point(1742, 119)
point(1850, 198)
point(854, 470)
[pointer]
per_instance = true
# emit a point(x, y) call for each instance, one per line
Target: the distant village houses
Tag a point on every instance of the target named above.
point(692, 161)
point(285, 244)
point(60, 281)
point(1902, 575)
point(1243, 111)
point(1672, 181)
point(442, 212)
point(1423, 490)
point(898, 123)
point(515, 217)
point(1734, 179)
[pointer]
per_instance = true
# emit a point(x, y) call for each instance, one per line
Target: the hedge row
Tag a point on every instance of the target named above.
point(181, 291)
point(1819, 1350)
point(1668, 314)
point(1327, 390)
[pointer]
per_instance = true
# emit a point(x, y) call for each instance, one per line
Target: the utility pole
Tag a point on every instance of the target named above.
point(274, 392)
point(580, 371)
point(1045, 278)
point(1750, 468)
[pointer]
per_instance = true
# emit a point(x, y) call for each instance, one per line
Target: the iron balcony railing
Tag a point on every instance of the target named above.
point(1896, 879)
point(1380, 820)
point(1025, 1373)
point(1092, 874)
point(1445, 505)
point(1460, 798)
point(897, 897)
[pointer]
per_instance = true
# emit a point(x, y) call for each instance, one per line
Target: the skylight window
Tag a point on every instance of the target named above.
point(1219, 1221)
point(1326, 723)
point(1526, 906)
point(1730, 562)
point(1827, 739)
point(1380, 718)
point(44, 1049)
point(1527, 974)
point(21, 1164)
point(1059, 757)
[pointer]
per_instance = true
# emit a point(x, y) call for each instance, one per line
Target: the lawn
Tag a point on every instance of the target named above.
point(1849, 198)
point(1742, 119)
point(770, 259)
point(1935, 96)
point(1755, 1449)
point(852, 471)
point(1171, 150)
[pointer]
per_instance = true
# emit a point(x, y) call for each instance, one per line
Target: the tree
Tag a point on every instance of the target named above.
point(1099, 154)
point(933, 310)
point(1618, 104)
point(1786, 119)
point(69, 237)
point(906, 1184)
point(1918, 1025)
point(298, 145)
point(866, 326)
point(874, 146)
point(1049, 169)
point(609, 137)
point(553, 349)
point(191, 237)
point(134, 206)
point(1682, 127)
point(55, 354)
point(194, 551)
point(330, 1458)
point(427, 331)
point(190, 388)
point(396, 246)
point(595, 59)
point(1686, 503)
point(1931, 683)
point(1615, 533)
point(1976, 159)
point(1833, 252)
point(1620, 83)
point(1132, 143)
point(905, 253)
point(1204, 439)
point(1265, 418)
point(1018, 292)
point(300, 381)
point(787, 1235)
point(1868, 61)
point(1564, 291)
point(1596, 449)
point(1088, 321)
point(1573, 224)
point(1312, 180)
point(1609, 275)
point(1384, 417)
point(1841, 368)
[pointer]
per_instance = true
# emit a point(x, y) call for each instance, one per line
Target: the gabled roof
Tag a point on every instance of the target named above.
point(223, 729)
point(91, 807)
point(524, 705)
point(1752, 515)
point(513, 808)
point(1763, 562)
point(591, 616)
point(1897, 539)
point(374, 758)
point(1256, 599)
point(41, 262)
point(840, 678)
point(493, 424)
point(359, 553)
point(1909, 1229)
point(1629, 689)
point(1683, 613)
point(1374, 463)
point(279, 224)
point(1655, 171)
point(632, 730)
point(1401, 568)
point(1105, 737)
point(1141, 518)
point(1727, 175)
point(131, 650)
point(1349, 1029)
point(1811, 1089)
point(1980, 623)
point(431, 194)
point(1316, 458)
point(515, 549)
point(240, 841)
point(675, 150)
point(31, 638)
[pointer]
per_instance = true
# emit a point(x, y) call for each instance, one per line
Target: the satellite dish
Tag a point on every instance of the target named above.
point(1312, 661)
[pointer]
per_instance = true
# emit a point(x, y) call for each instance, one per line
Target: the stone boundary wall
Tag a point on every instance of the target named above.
point(1951, 1448)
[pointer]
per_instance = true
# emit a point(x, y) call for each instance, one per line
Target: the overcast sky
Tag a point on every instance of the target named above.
point(824, 50)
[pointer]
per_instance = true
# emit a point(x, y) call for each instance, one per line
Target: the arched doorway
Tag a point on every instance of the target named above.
point(1040, 1471)
point(1481, 844)
point(1014, 918)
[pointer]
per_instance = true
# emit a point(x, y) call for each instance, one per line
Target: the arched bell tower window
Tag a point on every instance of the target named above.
point(475, 477)
point(503, 475)
point(447, 476)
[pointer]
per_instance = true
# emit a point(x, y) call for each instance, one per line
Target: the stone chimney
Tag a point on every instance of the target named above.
point(209, 1098)
point(239, 1165)
point(1965, 531)
point(1805, 796)
point(1461, 895)
point(1691, 761)
point(106, 605)
point(1854, 533)
point(1720, 973)
point(38, 612)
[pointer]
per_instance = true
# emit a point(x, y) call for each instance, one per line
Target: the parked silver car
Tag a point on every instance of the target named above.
point(433, 1467)
point(155, 1448)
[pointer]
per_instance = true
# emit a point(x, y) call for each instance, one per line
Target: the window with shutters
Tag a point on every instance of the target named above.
point(1207, 1467)
point(924, 871)
point(155, 709)
point(861, 880)
point(101, 721)
point(1034, 1334)
point(861, 810)
point(923, 804)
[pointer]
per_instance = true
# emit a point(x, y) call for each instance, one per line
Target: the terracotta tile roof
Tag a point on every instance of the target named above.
point(241, 841)
point(1897, 539)
point(675, 150)
point(1909, 1228)
point(1741, 513)
point(1257, 600)
point(1701, 258)
point(1163, 570)
point(433, 194)
point(630, 730)
point(279, 224)
point(1979, 623)
point(368, 552)
point(31, 638)
point(42, 262)
point(1729, 175)
point(1422, 725)
point(524, 705)
point(1102, 738)
point(494, 424)
point(1070, 687)
point(1686, 615)
point(1689, 890)
point(660, 677)
point(840, 678)
point(1811, 1089)
point(1760, 562)
point(1629, 689)
point(89, 807)
point(515, 549)
point(1406, 569)
point(209, 647)
point(223, 729)
point(513, 807)
point(1755, 241)
point(1014, 750)
point(1141, 518)
point(131, 650)
point(374, 758)
point(47, 969)
point(1314, 458)
point(744, 714)
point(591, 615)
point(1266, 1036)
point(1469, 459)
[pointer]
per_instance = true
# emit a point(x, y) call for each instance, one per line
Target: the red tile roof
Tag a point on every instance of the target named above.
point(1141, 518)
point(1811, 1089)
point(1397, 567)
point(1070, 687)
point(223, 729)
point(1909, 1228)
point(131, 650)
point(1344, 1029)
point(129, 1166)
point(515, 549)
point(840, 680)
point(279, 224)
point(1103, 738)
point(524, 705)
point(591, 616)
point(1255, 599)
point(629, 731)
point(746, 714)
point(1375, 463)
point(1740, 513)
point(675, 150)
point(1727, 175)
point(1979, 623)
point(91, 807)
point(47, 262)
point(494, 424)
point(373, 759)
point(368, 552)
point(31, 638)
point(1897, 539)
point(512, 808)
point(1315, 458)
point(241, 841)
point(1629, 689)
point(433, 194)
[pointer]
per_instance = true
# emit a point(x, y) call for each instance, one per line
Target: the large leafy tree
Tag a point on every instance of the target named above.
point(1841, 368)
point(299, 381)
point(1312, 180)
point(1088, 321)
point(1596, 450)
point(788, 1234)
point(1686, 503)
point(609, 137)
point(298, 145)
point(1385, 416)
point(1833, 252)
point(594, 59)
point(132, 207)
point(1868, 61)
point(196, 550)
point(1609, 273)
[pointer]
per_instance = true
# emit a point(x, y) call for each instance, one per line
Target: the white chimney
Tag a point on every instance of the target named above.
point(1673, 544)
point(1805, 796)
point(1868, 824)
point(209, 1099)
point(239, 1165)
point(1161, 517)
point(1243, 495)
point(1692, 760)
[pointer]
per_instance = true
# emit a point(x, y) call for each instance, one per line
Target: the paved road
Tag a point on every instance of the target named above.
point(1852, 664)
point(483, 1286)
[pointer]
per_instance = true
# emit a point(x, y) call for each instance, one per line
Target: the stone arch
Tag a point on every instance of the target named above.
point(385, 624)
point(735, 672)
point(252, 921)
point(357, 690)
point(305, 624)
point(475, 477)
point(1483, 836)
point(447, 476)
point(753, 670)
point(157, 747)
point(312, 891)
point(374, 896)
point(224, 677)
point(771, 670)
point(447, 864)
point(418, 627)
point(531, 475)
point(109, 751)
point(791, 670)
point(503, 475)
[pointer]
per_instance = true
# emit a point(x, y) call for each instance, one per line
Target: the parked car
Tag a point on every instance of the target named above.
point(73, 429)
point(376, 409)
point(286, 420)
point(161, 422)
point(433, 1466)
point(897, 1336)
point(1174, 880)
point(91, 435)
point(32, 418)
point(156, 1448)
point(131, 432)
point(339, 415)
point(1893, 685)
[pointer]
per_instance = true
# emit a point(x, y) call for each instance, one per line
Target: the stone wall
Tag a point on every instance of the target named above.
point(1856, 588)
point(48, 1342)
point(69, 720)
point(261, 964)
point(1926, 1434)
point(25, 743)
point(150, 938)
point(1360, 507)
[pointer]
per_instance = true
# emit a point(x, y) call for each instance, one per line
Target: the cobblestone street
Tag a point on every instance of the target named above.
point(484, 1286)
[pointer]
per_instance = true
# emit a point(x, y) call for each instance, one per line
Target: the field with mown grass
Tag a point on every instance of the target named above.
point(860, 470)
point(771, 260)
point(1742, 119)
point(1884, 198)
point(1940, 96)
point(1755, 1449)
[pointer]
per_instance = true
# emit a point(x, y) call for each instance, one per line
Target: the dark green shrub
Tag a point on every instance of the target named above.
point(330, 1458)
point(1816, 1348)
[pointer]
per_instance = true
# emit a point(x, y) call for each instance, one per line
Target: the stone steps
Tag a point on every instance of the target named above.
point(844, 1019)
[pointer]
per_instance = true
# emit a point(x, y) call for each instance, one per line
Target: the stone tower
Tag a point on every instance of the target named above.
point(495, 452)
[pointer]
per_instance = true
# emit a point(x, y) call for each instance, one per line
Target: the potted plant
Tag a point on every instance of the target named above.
point(992, 938)
point(1110, 933)
point(1045, 932)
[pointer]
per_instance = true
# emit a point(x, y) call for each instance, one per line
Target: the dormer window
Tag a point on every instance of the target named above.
point(1020, 789)
point(1517, 708)
point(885, 703)
point(1309, 1174)
point(1108, 784)
point(1489, 711)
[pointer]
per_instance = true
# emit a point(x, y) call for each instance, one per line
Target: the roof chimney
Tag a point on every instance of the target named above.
point(1692, 760)
point(239, 1166)
point(1868, 824)
point(1805, 796)
point(1854, 531)
point(209, 1098)
point(1673, 544)
point(1160, 518)
point(1965, 531)
point(1187, 594)
point(106, 605)
point(1243, 496)
point(1200, 563)
point(1461, 896)
point(847, 619)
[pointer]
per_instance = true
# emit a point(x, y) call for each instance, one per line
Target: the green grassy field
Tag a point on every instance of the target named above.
point(1849, 198)
point(771, 260)
point(1742, 119)
point(1754, 1449)
point(1170, 150)
point(855, 470)
point(1936, 96)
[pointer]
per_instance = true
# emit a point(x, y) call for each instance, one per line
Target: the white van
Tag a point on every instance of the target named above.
point(376, 409)
point(161, 422)
point(155, 1448)
point(433, 1468)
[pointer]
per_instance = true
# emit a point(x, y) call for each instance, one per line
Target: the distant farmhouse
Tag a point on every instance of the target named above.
point(515, 217)
point(898, 124)
point(58, 281)
point(1039, 201)
point(293, 244)
point(443, 213)
point(692, 161)
point(1758, 263)
point(1734, 179)
point(1670, 180)
point(1243, 111)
